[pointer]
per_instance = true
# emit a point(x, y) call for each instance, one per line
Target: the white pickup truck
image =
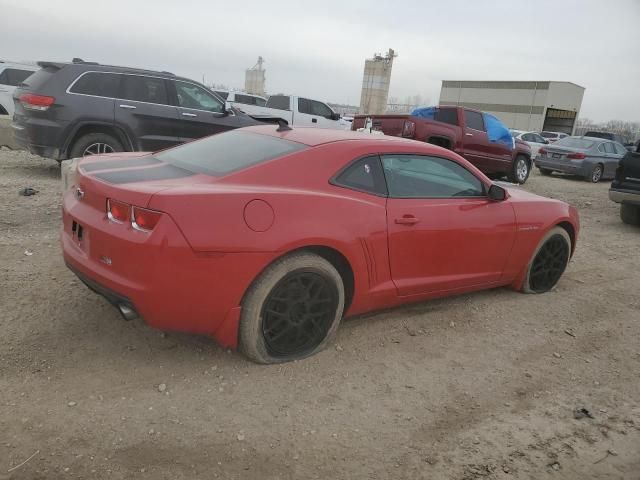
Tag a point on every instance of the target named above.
point(299, 111)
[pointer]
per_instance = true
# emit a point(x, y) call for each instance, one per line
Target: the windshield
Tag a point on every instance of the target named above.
point(227, 152)
point(573, 142)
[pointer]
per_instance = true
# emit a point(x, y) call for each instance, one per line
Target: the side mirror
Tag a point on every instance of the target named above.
point(497, 193)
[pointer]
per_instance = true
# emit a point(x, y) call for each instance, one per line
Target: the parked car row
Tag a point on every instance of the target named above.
point(68, 110)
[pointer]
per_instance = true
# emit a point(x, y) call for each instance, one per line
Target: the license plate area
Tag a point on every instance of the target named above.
point(556, 155)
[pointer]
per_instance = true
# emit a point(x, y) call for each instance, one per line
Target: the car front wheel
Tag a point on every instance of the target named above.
point(292, 310)
point(548, 262)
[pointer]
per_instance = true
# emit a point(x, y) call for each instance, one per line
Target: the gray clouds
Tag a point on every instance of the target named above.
point(318, 48)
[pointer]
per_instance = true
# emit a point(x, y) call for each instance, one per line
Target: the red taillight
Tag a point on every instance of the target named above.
point(408, 129)
point(144, 219)
point(542, 151)
point(36, 102)
point(576, 156)
point(118, 211)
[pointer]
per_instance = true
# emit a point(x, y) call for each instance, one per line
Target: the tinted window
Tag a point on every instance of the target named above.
point(416, 176)
point(39, 78)
point(620, 150)
point(608, 147)
point(320, 109)
point(261, 102)
point(279, 102)
point(447, 115)
point(223, 95)
point(96, 83)
point(605, 135)
point(549, 135)
point(365, 175)
point(304, 106)
point(528, 137)
point(246, 99)
point(474, 120)
point(145, 89)
point(14, 76)
point(574, 142)
point(227, 152)
point(193, 96)
point(538, 138)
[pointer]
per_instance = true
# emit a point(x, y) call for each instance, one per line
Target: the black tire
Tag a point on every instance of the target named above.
point(520, 170)
point(277, 308)
point(545, 171)
point(548, 262)
point(81, 146)
point(630, 214)
point(596, 174)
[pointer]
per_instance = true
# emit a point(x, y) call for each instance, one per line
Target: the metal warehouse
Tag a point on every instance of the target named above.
point(535, 106)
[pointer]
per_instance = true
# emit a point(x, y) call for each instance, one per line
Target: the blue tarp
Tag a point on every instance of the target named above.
point(496, 130)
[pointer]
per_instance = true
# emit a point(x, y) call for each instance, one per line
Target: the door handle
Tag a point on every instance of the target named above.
point(469, 134)
point(127, 106)
point(407, 220)
point(185, 114)
point(314, 120)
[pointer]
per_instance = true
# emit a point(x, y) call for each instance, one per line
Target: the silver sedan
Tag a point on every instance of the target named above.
point(591, 158)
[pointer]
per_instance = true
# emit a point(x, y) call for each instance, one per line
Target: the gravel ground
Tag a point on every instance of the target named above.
point(480, 386)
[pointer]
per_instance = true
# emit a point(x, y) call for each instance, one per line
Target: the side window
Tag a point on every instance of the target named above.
point(620, 150)
point(260, 102)
point(304, 106)
point(320, 109)
point(245, 99)
point(98, 84)
point(417, 176)
point(447, 115)
point(608, 148)
point(474, 120)
point(14, 76)
point(527, 137)
point(145, 89)
point(364, 175)
point(279, 102)
point(193, 96)
point(538, 138)
point(223, 95)
point(601, 148)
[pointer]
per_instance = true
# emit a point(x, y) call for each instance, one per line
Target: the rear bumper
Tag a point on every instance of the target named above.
point(40, 136)
point(158, 275)
point(573, 167)
point(625, 196)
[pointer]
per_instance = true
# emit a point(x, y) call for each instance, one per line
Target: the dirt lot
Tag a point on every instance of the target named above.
point(477, 386)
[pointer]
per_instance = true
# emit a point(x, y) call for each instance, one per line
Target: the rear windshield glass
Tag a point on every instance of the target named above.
point(39, 78)
point(605, 135)
point(227, 152)
point(574, 143)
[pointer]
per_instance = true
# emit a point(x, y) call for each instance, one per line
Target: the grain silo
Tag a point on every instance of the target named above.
point(375, 83)
point(254, 79)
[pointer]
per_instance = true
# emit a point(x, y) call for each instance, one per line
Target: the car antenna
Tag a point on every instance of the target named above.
point(283, 125)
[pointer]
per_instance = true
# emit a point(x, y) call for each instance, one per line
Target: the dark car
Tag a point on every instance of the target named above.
point(68, 110)
point(614, 137)
point(625, 189)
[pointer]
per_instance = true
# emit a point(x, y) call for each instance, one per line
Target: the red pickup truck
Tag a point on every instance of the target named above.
point(462, 130)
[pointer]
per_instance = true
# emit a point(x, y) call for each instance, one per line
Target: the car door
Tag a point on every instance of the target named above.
point(444, 232)
point(315, 114)
point(201, 113)
point(145, 111)
point(475, 140)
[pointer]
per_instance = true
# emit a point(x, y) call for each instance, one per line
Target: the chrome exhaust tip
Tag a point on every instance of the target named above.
point(127, 312)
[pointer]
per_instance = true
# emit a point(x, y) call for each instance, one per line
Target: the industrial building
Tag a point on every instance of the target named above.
point(375, 83)
point(534, 106)
point(254, 79)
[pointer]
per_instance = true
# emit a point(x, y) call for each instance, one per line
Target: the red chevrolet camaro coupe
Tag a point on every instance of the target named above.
point(266, 237)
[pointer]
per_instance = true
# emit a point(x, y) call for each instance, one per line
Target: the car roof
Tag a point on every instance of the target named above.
point(313, 136)
point(95, 66)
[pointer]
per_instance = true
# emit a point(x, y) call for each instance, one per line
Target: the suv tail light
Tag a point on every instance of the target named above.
point(36, 102)
point(408, 129)
point(576, 156)
point(118, 211)
point(143, 219)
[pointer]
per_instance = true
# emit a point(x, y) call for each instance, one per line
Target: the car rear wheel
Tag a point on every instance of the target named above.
point(520, 170)
point(292, 310)
point(545, 171)
point(596, 174)
point(548, 262)
point(630, 214)
point(95, 144)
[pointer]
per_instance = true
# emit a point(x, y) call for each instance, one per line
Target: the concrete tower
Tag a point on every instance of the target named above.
point(375, 83)
point(254, 79)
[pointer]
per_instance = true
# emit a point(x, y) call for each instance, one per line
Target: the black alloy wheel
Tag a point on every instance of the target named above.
point(549, 264)
point(298, 313)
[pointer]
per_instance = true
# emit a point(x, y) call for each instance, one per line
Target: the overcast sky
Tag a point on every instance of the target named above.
point(318, 48)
